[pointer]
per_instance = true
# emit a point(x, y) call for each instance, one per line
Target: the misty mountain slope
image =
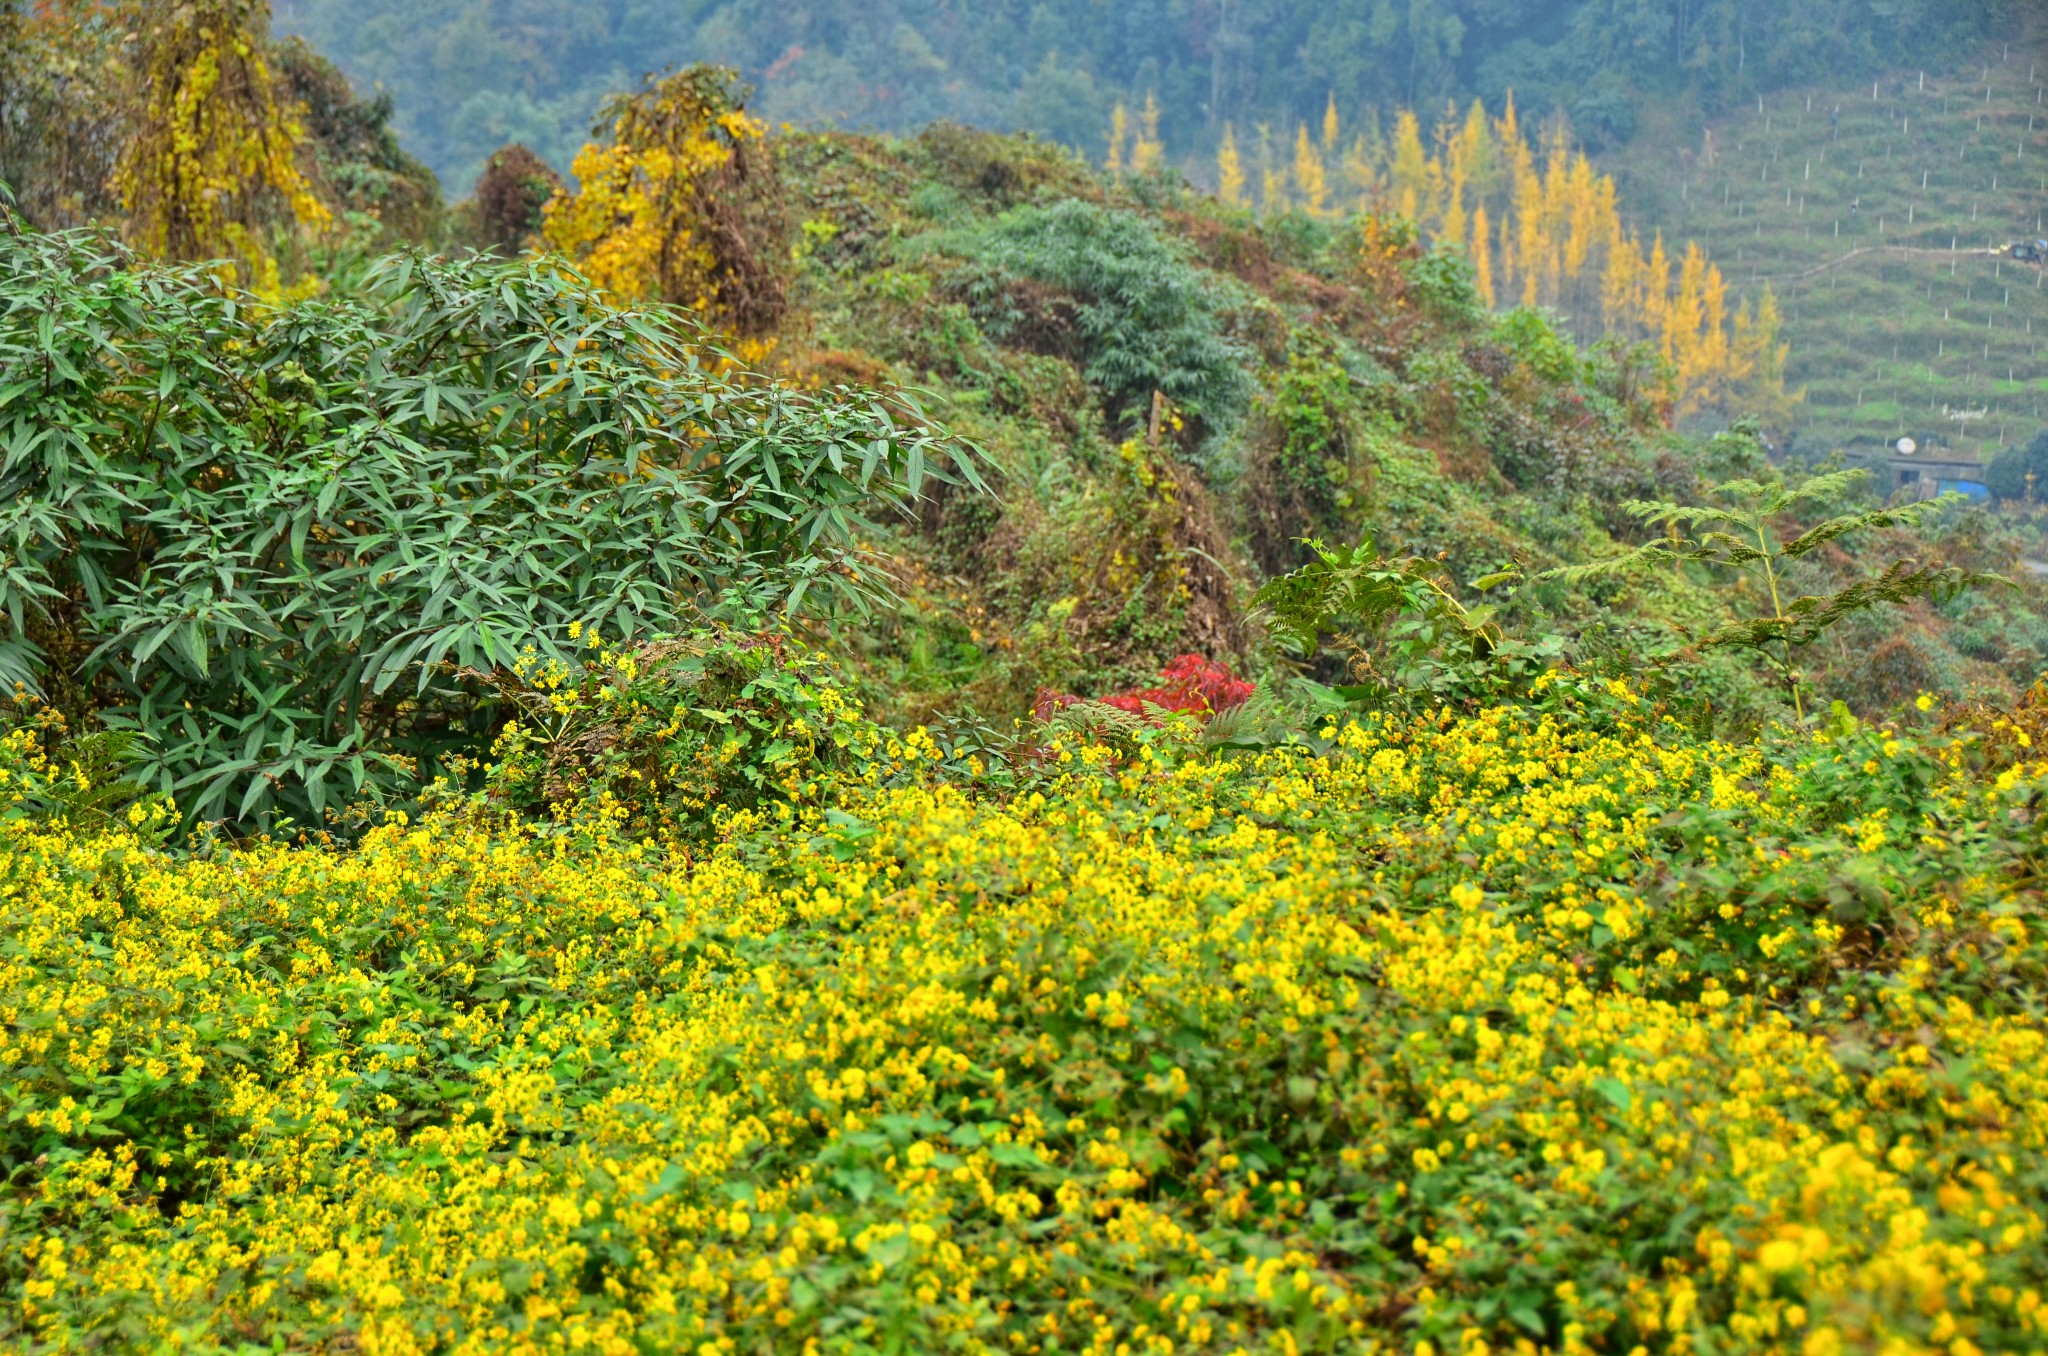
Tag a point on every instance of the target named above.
point(470, 75)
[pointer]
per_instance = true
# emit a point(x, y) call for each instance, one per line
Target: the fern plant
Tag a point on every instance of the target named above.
point(1404, 635)
point(1742, 533)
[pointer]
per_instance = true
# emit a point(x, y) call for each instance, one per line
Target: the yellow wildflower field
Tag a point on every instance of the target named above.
point(1570, 1031)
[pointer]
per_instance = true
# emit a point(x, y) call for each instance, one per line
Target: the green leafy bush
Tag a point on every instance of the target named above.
point(1444, 281)
point(1405, 641)
point(2007, 477)
point(1303, 478)
point(1136, 314)
point(671, 736)
point(264, 539)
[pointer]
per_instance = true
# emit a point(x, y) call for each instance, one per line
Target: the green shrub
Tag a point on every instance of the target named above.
point(263, 539)
point(1136, 314)
point(671, 736)
point(2007, 475)
point(1302, 474)
point(1539, 351)
point(1444, 281)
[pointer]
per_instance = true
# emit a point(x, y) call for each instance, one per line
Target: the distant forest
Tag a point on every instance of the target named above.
point(469, 76)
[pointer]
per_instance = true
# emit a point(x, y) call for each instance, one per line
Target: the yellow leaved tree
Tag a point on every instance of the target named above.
point(1230, 169)
point(1311, 178)
point(660, 214)
point(1148, 152)
point(211, 167)
point(1540, 224)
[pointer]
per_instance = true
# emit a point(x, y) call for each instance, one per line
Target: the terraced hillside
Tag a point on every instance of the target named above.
point(1876, 214)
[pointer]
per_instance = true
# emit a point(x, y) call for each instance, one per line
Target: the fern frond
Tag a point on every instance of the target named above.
point(1752, 634)
point(1255, 723)
point(1611, 567)
point(1096, 720)
point(1904, 515)
point(1725, 548)
point(1821, 489)
point(1902, 582)
point(1685, 515)
point(1744, 488)
point(1807, 618)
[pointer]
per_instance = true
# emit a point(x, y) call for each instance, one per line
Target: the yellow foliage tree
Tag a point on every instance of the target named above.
point(1454, 172)
point(1540, 223)
point(1411, 166)
point(1360, 175)
point(1682, 341)
point(1586, 228)
point(1230, 169)
point(1148, 152)
point(1621, 283)
point(1272, 183)
point(1482, 255)
point(637, 225)
point(1656, 293)
point(1311, 177)
point(1715, 360)
point(1475, 145)
point(1119, 135)
point(1555, 211)
point(1760, 356)
point(1508, 133)
point(211, 165)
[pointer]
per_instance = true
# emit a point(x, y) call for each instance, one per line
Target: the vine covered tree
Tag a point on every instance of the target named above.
point(212, 165)
point(661, 211)
point(511, 199)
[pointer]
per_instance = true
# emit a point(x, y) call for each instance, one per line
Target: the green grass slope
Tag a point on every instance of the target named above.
point(1878, 234)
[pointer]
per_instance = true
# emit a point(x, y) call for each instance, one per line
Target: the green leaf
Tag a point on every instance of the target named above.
point(1616, 1092)
point(672, 1178)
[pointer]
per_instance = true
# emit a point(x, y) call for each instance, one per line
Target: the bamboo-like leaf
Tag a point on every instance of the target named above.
point(443, 499)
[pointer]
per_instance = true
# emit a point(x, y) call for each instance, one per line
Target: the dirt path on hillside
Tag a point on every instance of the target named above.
point(1902, 251)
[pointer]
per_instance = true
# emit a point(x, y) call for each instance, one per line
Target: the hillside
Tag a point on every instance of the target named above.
point(1878, 233)
point(470, 75)
point(863, 745)
point(1338, 388)
point(1851, 220)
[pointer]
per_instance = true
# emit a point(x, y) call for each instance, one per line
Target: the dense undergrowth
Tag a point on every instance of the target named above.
point(296, 545)
point(290, 548)
point(1553, 1025)
point(1319, 379)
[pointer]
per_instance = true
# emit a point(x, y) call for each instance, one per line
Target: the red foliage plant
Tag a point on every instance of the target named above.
point(1190, 684)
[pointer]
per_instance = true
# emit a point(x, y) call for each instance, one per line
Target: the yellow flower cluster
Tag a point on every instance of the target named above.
point(1439, 1040)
